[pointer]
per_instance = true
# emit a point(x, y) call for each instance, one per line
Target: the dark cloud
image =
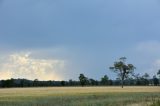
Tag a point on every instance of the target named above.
point(95, 32)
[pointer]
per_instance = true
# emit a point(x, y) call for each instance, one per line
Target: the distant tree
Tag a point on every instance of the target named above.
point(8, 83)
point(129, 81)
point(49, 83)
point(35, 82)
point(11, 82)
point(137, 79)
point(117, 81)
point(146, 76)
point(22, 82)
point(155, 80)
point(93, 82)
point(145, 79)
point(63, 83)
point(110, 82)
point(105, 80)
point(83, 80)
point(70, 82)
point(122, 69)
point(3, 83)
point(158, 73)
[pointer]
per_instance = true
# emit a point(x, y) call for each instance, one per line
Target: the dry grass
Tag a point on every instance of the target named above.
point(78, 96)
point(75, 90)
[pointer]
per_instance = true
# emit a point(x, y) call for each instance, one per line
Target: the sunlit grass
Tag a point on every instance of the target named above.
point(78, 96)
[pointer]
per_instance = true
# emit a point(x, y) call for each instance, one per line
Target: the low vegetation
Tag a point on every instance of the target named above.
point(80, 96)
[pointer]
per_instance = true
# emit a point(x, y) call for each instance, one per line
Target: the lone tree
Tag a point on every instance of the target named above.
point(155, 80)
point(83, 80)
point(158, 73)
point(122, 69)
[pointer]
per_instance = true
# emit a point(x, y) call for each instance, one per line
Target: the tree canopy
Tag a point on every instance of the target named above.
point(83, 80)
point(122, 69)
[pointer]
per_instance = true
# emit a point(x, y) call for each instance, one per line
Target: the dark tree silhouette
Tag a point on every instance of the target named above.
point(146, 76)
point(155, 80)
point(63, 83)
point(92, 82)
point(158, 73)
point(145, 79)
point(83, 80)
point(122, 69)
point(105, 80)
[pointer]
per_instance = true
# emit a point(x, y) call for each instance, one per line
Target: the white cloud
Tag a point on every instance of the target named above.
point(22, 65)
point(146, 56)
point(149, 46)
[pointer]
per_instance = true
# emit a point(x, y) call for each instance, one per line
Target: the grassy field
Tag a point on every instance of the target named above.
point(80, 96)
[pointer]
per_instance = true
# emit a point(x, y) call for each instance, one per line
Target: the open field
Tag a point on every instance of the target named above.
point(80, 96)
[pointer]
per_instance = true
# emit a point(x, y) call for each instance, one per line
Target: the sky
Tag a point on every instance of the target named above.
point(59, 39)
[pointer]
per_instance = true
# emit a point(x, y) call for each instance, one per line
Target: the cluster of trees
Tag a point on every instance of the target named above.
point(84, 81)
point(35, 83)
point(125, 73)
point(137, 80)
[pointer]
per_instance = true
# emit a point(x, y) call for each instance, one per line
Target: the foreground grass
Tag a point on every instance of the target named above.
point(78, 96)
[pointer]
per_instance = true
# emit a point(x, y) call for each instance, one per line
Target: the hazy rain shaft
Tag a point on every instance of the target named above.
point(24, 66)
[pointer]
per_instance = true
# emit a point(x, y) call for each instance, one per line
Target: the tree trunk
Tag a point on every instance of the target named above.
point(122, 84)
point(122, 79)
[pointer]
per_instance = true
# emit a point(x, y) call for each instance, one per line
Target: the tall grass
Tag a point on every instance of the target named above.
point(155, 102)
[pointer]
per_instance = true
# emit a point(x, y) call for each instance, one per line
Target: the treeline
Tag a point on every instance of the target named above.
point(83, 81)
point(135, 80)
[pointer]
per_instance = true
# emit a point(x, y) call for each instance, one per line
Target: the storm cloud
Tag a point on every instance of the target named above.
point(87, 34)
